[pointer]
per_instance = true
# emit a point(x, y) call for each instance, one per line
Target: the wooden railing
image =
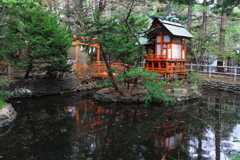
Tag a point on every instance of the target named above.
point(232, 72)
point(155, 57)
point(100, 70)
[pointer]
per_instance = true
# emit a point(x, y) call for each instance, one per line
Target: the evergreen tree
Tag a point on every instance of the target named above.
point(36, 36)
point(224, 8)
point(14, 8)
point(117, 39)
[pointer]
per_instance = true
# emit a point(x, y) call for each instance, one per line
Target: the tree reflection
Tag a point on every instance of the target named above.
point(215, 120)
point(74, 127)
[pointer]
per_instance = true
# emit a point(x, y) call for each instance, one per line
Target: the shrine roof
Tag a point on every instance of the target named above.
point(174, 29)
point(171, 25)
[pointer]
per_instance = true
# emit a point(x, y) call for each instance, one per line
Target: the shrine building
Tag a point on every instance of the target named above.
point(165, 52)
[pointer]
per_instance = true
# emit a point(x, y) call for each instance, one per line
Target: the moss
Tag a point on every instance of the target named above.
point(1, 103)
point(67, 92)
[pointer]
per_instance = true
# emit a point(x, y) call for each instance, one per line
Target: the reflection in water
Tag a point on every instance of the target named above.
point(73, 127)
point(211, 136)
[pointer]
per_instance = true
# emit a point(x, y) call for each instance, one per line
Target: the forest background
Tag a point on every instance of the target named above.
point(37, 34)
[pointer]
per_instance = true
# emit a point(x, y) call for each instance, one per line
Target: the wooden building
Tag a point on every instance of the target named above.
point(165, 52)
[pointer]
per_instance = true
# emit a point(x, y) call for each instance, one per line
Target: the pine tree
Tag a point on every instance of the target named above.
point(224, 8)
point(117, 39)
point(37, 36)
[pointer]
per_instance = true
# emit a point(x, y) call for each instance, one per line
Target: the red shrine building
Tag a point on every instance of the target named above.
point(165, 52)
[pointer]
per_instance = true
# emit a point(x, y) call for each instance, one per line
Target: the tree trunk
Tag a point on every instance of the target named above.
point(2, 14)
point(204, 20)
point(80, 3)
point(29, 69)
point(189, 24)
point(222, 32)
point(135, 36)
point(110, 73)
point(204, 35)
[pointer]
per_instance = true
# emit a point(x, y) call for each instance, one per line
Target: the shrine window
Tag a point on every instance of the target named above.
point(163, 65)
point(150, 65)
point(176, 51)
point(155, 65)
point(176, 39)
point(158, 38)
point(166, 38)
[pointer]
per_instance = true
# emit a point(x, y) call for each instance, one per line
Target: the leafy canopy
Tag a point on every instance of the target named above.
point(114, 36)
point(37, 36)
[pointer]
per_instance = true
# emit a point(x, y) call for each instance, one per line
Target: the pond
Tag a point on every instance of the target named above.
point(74, 127)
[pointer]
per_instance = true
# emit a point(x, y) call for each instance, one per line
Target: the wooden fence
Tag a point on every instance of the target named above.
point(232, 72)
point(7, 70)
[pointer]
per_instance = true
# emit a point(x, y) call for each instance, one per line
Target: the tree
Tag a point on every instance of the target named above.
point(35, 37)
point(224, 8)
point(116, 36)
point(4, 93)
point(14, 8)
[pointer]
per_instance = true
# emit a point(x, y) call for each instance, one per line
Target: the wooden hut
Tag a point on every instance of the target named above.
point(165, 52)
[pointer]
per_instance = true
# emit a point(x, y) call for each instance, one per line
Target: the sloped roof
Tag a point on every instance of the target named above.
point(173, 29)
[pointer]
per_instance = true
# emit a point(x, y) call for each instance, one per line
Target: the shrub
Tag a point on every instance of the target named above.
point(4, 94)
point(156, 88)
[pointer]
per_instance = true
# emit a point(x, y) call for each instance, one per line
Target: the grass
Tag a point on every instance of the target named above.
point(1, 103)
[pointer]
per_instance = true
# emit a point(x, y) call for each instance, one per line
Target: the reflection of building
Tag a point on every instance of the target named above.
point(97, 127)
point(85, 123)
point(168, 138)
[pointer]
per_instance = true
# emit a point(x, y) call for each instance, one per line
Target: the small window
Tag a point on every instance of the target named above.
point(176, 39)
point(158, 38)
point(166, 38)
point(163, 65)
point(155, 65)
point(150, 65)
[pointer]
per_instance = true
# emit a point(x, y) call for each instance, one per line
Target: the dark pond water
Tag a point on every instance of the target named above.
point(74, 127)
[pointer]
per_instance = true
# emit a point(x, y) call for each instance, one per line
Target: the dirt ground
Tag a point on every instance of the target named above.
point(222, 80)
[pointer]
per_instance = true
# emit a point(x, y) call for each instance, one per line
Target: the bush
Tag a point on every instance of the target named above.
point(4, 94)
point(156, 88)
point(1, 103)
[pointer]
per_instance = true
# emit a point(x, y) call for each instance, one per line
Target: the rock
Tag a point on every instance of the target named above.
point(178, 94)
point(7, 114)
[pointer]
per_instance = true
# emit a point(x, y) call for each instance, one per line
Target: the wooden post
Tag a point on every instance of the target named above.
point(210, 68)
point(9, 70)
point(191, 67)
point(98, 55)
point(235, 73)
point(76, 57)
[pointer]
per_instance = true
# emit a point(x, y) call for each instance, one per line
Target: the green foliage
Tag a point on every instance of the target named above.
point(40, 37)
point(192, 78)
point(4, 94)
point(1, 103)
point(225, 6)
point(234, 156)
point(107, 83)
point(156, 89)
point(11, 9)
point(113, 34)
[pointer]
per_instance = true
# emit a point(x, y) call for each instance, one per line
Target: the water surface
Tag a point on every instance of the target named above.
point(74, 127)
